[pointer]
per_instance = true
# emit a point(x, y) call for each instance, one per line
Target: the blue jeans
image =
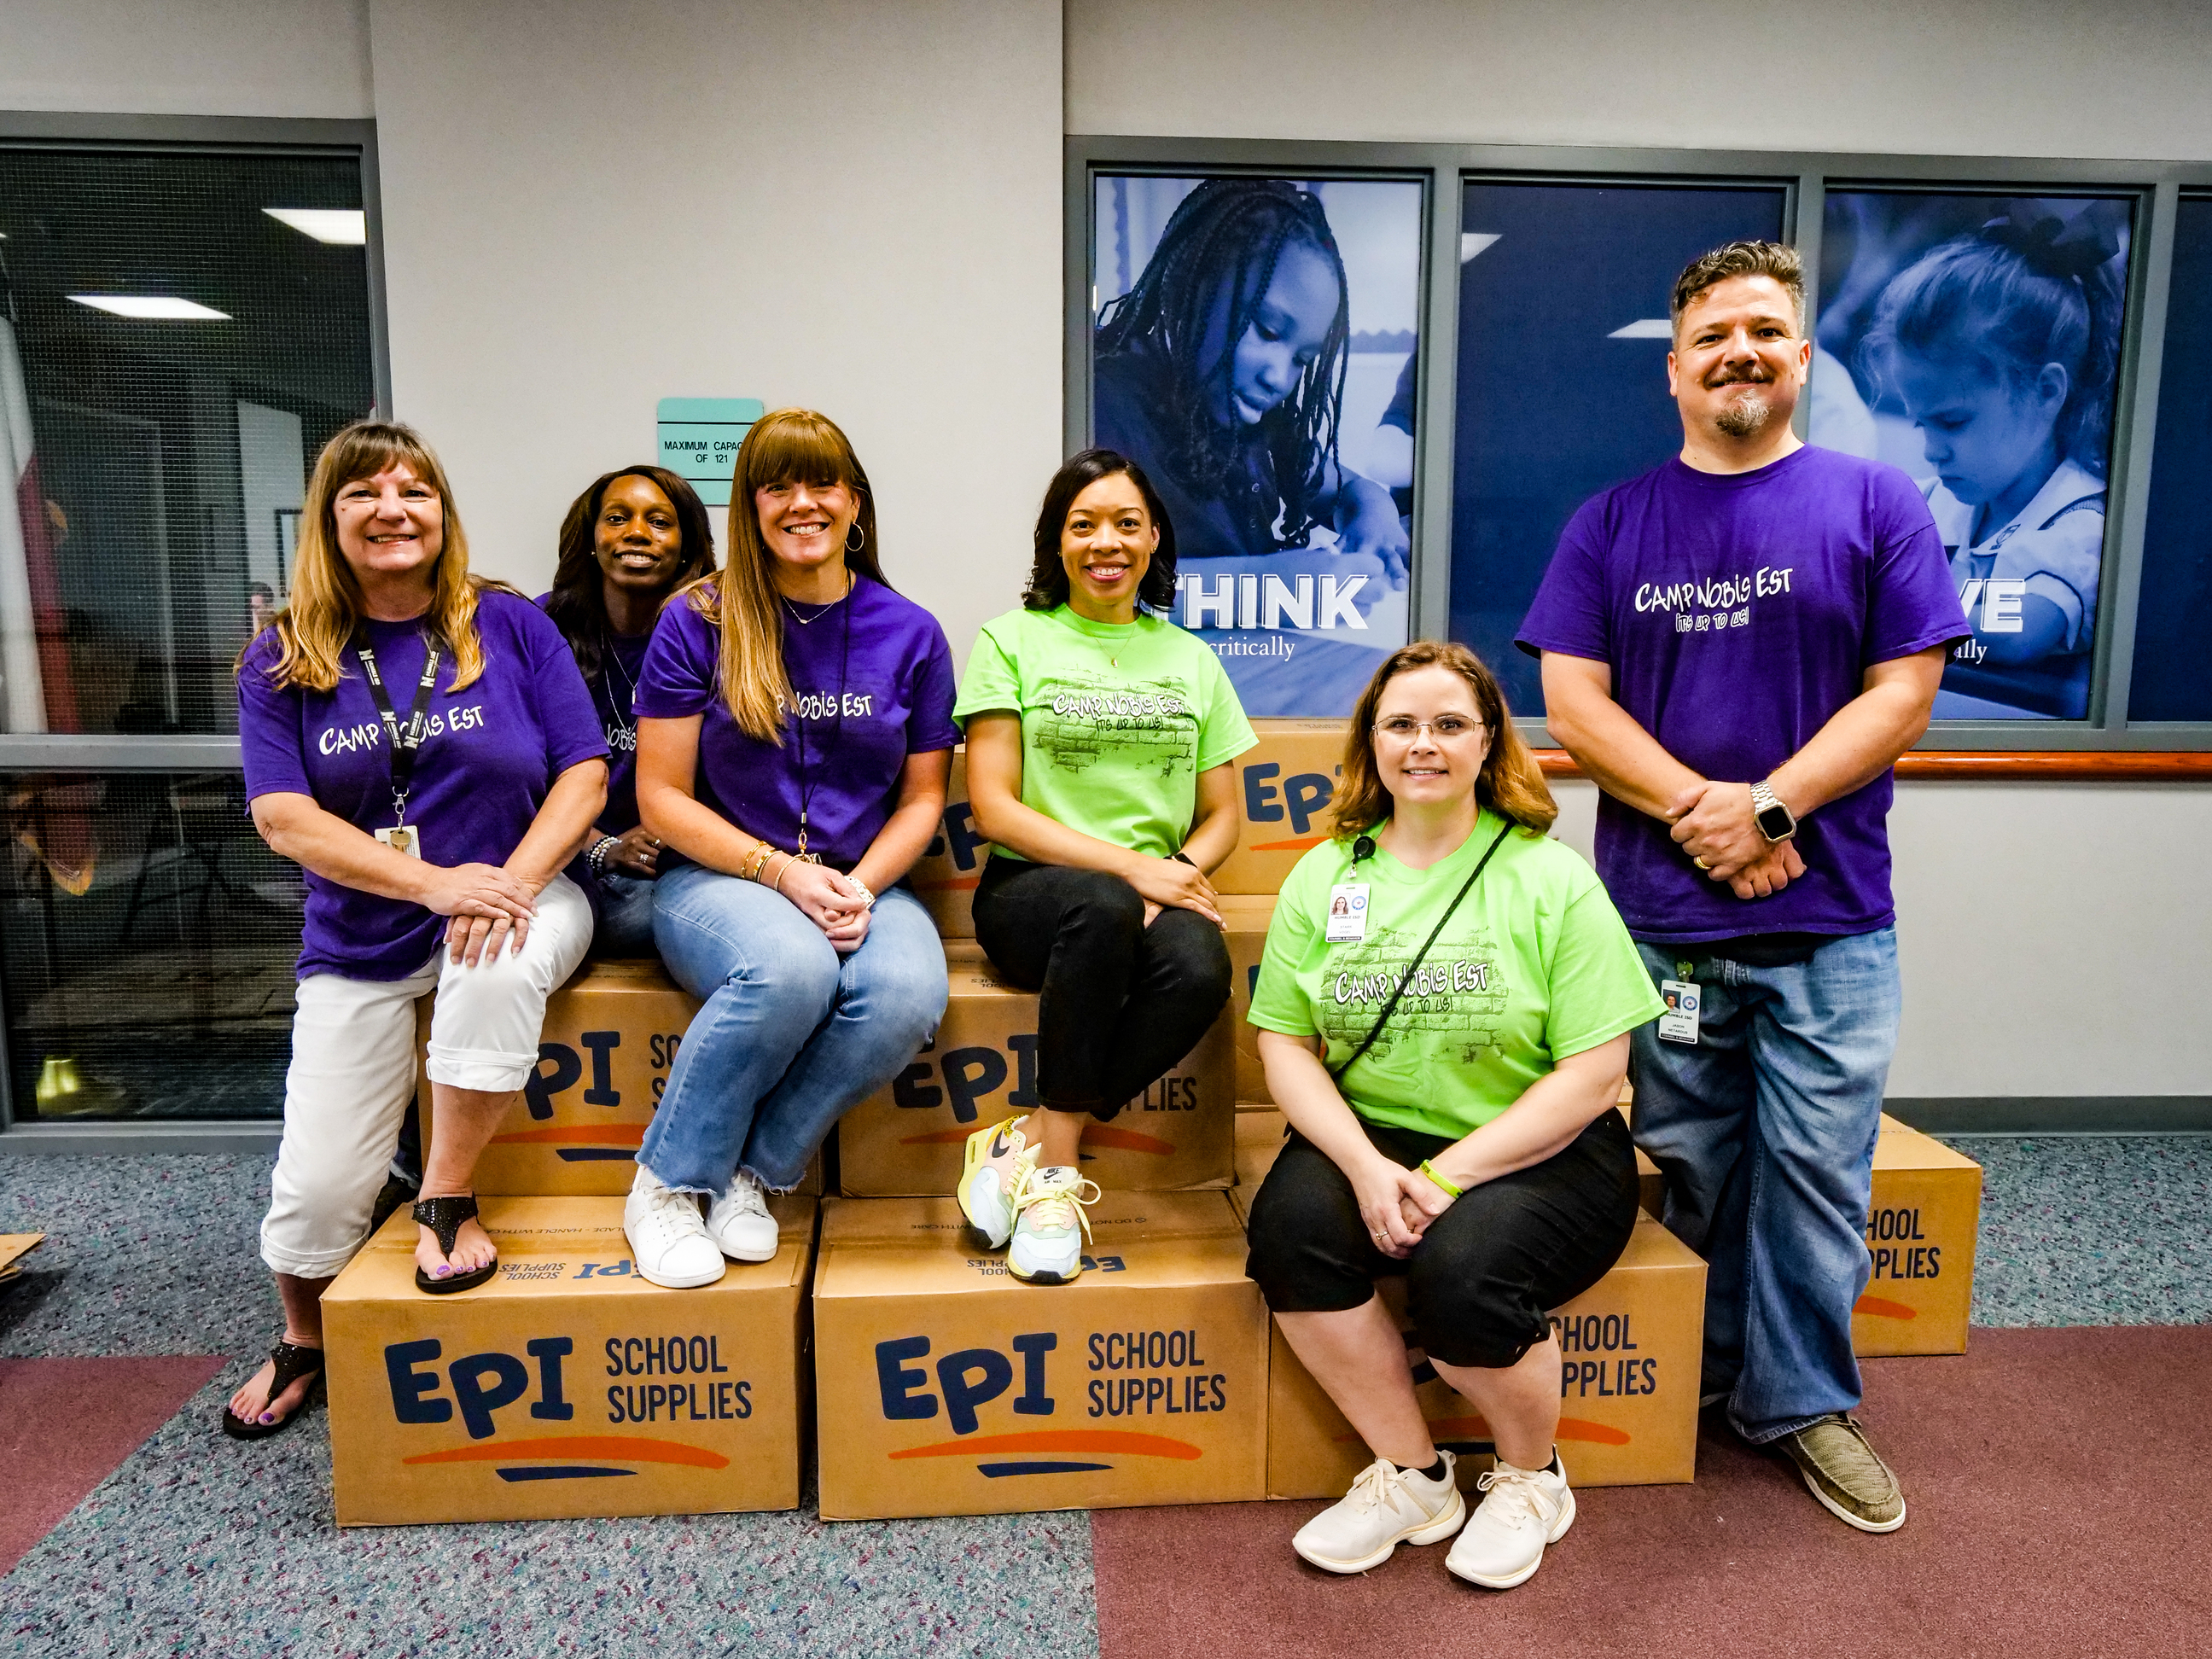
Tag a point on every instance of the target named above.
point(793, 1036)
point(625, 928)
point(1765, 1130)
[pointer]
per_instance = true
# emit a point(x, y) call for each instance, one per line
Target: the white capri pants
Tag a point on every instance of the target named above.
point(353, 1072)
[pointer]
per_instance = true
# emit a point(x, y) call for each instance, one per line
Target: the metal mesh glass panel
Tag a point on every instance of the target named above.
point(155, 464)
point(146, 948)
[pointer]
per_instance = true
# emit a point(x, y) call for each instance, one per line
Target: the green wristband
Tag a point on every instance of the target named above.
point(1430, 1171)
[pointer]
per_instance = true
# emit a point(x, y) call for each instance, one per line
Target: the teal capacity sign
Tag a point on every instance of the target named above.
point(699, 439)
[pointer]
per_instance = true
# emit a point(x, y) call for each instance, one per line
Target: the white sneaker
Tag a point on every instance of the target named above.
point(1386, 1507)
point(1523, 1511)
point(1049, 1225)
point(998, 1159)
point(666, 1235)
point(738, 1221)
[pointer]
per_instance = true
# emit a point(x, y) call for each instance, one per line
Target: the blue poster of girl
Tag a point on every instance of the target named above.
point(1997, 344)
point(1256, 359)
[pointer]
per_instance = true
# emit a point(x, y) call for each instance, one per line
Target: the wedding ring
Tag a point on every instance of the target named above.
point(1701, 864)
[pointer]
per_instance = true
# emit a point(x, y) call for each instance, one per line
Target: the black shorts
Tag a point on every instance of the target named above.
point(1480, 1284)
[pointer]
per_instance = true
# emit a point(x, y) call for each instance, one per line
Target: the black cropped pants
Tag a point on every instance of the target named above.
point(1119, 1004)
point(1482, 1282)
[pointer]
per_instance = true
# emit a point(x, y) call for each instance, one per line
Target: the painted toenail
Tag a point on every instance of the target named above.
point(441, 1270)
point(269, 1417)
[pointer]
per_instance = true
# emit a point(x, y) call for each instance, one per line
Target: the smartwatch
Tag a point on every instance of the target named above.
point(1776, 822)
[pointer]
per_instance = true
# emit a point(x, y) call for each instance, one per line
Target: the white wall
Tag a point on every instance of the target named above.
point(848, 205)
point(295, 57)
point(2028, 77)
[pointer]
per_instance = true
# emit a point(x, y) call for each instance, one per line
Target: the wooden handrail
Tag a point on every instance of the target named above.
point(2044, 765)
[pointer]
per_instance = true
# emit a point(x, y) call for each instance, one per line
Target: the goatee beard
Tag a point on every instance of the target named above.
point(1746, 417)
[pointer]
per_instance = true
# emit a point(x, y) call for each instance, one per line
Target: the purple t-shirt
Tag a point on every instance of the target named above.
point(1738, 612)
point(612, 695)
point(489, 754)
point(887, 656)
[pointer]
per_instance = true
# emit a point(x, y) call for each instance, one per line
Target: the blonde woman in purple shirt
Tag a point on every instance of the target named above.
point(421, 742)
point(794, 720)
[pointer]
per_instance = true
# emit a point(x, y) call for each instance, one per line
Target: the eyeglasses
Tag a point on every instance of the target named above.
point(1445, 728)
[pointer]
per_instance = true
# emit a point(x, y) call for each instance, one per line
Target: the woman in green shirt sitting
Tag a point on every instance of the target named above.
point(1099, 739)
point(1444, 1008)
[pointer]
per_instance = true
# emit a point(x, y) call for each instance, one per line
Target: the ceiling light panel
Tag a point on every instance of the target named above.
point(339, 227)
point(152, 307)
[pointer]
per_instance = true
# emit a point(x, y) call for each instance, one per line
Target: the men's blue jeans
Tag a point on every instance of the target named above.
point(1765, 1130)
point(791, 1037)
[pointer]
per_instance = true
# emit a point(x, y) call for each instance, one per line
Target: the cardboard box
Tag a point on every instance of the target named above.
point(944, 879)
point(1248, 916)
point(1921, 1231)
point(568, 1385)
point(908, 1140)
point(1632, 1347)
point(604, 1054)
point(1608, 1437)
point(946, 1386)
point(1284, 787)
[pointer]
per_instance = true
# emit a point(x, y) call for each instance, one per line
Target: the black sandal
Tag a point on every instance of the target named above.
point(292, 1360)
point(444, 1216)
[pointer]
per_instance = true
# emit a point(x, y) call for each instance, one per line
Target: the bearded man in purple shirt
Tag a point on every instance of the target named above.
point(1736, 647)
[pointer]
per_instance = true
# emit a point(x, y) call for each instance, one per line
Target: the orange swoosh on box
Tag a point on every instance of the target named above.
point(937, 1138)
point(952, 884)
point(1105, 1134)
point(564, 1134)
point(1060, 1440)
point(1875, 1304)
point(1473, 1428)
point(629, 1447)
point(1298, 846)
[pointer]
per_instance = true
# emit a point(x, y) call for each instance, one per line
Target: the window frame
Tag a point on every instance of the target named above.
point(2155, 187)
point(102, 752)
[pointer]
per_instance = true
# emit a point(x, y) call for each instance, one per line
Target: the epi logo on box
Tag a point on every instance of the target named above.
point(483, 1384)
point(1300, 797)
point(966, 1077)
point(559, 1069)
point(971, 1377)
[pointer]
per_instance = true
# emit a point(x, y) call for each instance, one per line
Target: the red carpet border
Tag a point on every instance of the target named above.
point(2056, 1482)
point(66, 1424)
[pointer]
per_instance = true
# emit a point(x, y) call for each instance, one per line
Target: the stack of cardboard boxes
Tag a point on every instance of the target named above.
point(569, 1386)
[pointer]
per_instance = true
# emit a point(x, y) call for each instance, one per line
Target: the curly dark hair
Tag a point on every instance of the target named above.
point(1233, 232)
point(1047, 585)
point(579, 601)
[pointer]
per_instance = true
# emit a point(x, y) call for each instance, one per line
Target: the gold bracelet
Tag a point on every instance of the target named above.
point(756, 861)
point(789, 860)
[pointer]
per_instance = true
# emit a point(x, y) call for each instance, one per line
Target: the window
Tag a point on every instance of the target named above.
point(182, 325)
point(1562, 388)
point(2172, 670)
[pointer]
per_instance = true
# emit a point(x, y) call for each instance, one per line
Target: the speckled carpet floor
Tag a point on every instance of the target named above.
point(194, 1546)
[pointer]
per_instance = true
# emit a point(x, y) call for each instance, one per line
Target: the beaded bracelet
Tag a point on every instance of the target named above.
point(596, 860)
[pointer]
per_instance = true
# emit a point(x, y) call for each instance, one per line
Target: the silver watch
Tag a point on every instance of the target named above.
point(1776, 822)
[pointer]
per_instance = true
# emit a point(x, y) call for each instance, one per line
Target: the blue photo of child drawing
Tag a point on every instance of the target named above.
point(1975, 341)
point(1253, 349)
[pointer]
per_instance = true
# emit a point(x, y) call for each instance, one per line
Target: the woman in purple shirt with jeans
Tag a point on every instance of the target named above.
point(794, 735)
point(422, 743)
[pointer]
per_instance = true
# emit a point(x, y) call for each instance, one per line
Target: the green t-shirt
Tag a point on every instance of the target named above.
point(1535, 966)
point(1117, 720)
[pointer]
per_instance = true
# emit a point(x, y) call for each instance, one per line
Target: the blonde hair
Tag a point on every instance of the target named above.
point(325, 606)
point(785, 446)
point(1510, 783)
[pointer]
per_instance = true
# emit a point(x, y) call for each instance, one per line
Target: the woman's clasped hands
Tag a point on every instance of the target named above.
point(835, 903)
point(1397, 1204)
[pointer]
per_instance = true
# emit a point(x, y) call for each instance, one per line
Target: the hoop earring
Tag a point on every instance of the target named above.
point(850, 547)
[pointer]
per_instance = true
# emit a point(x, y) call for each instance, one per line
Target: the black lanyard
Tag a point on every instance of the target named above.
point(1364, 848)
point(844, 665)
point(402, 741)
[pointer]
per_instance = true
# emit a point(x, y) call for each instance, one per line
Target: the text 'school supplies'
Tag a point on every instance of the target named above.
point(568, 1385)
point(1245, 917)
point(909, 1139)
point(1921, 1229)
point(1284, 788)
point(609, 1037)
point(946, 1386)
point(1631, 1347)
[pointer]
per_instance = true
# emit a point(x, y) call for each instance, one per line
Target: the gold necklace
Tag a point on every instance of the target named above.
point(804, 622)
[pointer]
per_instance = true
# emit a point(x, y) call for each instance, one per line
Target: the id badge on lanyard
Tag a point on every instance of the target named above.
point(1347, 913)
point(402, 742)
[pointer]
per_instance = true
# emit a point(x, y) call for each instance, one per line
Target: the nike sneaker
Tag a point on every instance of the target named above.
point(1050, 1227)
point(997, 1159)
